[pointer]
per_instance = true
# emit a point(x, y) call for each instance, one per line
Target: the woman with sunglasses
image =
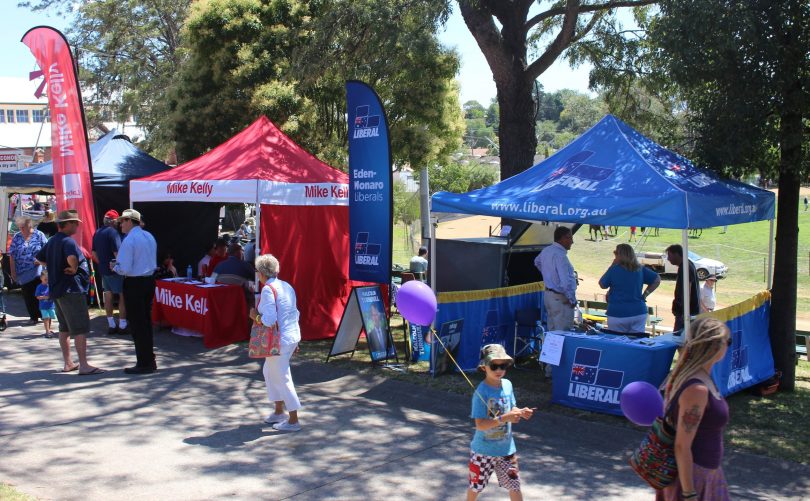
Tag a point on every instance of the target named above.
point(699, 413)
point(494, 410)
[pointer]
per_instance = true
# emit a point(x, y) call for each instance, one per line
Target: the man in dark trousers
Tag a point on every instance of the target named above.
point(675, 256)
point(137, 262)
point(68, 277)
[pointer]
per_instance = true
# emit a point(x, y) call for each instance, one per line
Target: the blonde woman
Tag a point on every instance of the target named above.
point(627, 306)
point(699, 413)
point(280, 306)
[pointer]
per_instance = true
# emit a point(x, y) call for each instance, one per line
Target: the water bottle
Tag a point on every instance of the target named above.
point(188, 272)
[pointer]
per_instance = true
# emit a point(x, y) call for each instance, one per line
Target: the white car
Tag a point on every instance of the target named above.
point(703, 265)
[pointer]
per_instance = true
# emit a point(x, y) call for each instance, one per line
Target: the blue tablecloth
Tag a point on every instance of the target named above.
point(594, 369)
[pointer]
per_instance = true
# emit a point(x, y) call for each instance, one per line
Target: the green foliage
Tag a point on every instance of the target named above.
point(128, 58)
point(290, 60)
point(473, 110)
point(406, 205)
point(460, 178)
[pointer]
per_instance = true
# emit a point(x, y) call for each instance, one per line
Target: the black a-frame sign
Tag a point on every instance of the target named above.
point(365, 312)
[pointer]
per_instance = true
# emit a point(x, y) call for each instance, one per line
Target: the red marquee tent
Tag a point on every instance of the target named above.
point(304, 216)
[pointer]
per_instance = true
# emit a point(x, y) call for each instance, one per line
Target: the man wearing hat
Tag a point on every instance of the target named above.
point(708, 300)
point(68, 278)
point(106, 242)
point(137, 261)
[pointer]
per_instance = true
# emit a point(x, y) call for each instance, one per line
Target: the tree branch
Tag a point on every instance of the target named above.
point(560, 43)
point(557, 11)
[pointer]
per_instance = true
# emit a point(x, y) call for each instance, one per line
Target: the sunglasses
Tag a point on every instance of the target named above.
point(502, 366)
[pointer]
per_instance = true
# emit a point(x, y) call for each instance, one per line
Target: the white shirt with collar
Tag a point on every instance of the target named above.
point(557, 271)
point(137, 256)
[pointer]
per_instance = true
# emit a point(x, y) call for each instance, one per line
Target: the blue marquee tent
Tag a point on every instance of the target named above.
point(614, 175)
point(115, 161)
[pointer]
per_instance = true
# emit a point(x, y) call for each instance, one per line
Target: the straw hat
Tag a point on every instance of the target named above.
point(68, 215)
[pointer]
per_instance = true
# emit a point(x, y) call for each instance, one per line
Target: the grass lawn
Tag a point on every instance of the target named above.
point(743, 248)
point(763, 425)
point(9, 493)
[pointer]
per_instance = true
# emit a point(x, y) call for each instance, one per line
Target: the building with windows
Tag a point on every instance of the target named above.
point(25, 123)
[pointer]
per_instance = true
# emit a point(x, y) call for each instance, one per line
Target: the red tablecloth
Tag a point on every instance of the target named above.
point(219, 313)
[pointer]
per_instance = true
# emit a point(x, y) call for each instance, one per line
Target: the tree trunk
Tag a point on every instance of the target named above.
point(783, 300)
point(516, 132)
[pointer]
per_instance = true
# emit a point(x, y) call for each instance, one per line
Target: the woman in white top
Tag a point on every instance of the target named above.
point(277, 376)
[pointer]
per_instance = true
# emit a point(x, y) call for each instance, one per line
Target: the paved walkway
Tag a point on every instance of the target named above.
point(193, 431)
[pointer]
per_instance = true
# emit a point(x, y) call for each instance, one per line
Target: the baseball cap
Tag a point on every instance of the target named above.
point(111, 214)
point(492, 352)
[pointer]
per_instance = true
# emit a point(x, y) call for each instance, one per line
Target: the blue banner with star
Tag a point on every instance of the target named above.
point(371, 201)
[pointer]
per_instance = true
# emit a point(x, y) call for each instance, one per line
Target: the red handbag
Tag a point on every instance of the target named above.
point(265, 341)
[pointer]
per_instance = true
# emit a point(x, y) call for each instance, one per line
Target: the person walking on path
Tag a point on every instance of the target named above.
point(560, 296)
point(699, 414)
point(278, 304)
point(25, 269)
point(106, 242)
point(68, 280)
point(137, 262)
point(494, 409)
point(806, 203)
point(675, 256)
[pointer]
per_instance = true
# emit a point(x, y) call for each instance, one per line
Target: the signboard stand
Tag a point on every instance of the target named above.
point(364, 312)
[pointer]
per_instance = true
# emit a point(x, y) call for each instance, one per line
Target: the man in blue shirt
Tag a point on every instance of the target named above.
point(68, 275)
point(560, 295)
point(106, 242)
point(137, 261)
point(234, 264)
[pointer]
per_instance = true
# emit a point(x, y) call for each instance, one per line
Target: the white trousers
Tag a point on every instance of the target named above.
point(559, 313)
point(278, 378)
point(634, 324)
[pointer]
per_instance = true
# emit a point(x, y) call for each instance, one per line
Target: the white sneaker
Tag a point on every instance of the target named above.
point(275, 418)
point(287, 426)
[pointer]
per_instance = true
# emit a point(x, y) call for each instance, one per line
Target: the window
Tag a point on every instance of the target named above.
point(2, 116)
point(22, 116)
point(39, 116)
point(10, 116)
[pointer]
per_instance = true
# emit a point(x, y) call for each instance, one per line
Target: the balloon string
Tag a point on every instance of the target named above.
point(475, 390)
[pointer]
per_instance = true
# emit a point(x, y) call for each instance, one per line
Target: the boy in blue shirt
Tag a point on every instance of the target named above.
point(494, 410)
point(46, 307)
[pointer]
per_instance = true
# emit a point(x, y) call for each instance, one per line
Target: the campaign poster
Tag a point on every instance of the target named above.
point(375, 323)
point(420, 337)
point(450, 337)
point(371, 201)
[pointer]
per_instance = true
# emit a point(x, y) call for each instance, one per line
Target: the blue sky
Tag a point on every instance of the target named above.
point(475, 77)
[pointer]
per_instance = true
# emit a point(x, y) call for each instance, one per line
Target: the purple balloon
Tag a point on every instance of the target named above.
point(641, 403)
point(417, 303)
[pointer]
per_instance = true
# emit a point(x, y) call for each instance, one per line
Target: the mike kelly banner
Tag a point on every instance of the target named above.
point(371, 201)
point(69, 148)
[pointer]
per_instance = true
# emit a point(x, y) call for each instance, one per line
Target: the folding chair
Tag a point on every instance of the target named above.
point(528, 334)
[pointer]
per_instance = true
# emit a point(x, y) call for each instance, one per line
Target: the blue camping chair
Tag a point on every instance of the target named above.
point(528, 335)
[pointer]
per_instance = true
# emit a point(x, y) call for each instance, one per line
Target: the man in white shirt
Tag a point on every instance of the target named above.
point(560, 295)
point(419, 264)
point(708, 300)
point(137, 261)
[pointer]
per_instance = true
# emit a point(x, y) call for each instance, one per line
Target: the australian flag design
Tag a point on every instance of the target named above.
point(363, 120)
point(585, 370)
point(739, 354)
point(586, 365)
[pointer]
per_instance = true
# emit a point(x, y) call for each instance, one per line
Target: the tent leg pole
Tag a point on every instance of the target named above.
point(770, 255)
point(685, 282)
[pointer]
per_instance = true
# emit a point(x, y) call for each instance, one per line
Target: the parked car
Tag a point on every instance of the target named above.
point(658, 262)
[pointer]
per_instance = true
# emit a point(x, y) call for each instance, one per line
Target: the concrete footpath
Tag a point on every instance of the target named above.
point(194, 431)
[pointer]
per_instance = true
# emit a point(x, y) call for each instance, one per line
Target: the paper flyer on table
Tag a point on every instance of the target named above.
point(552, 348)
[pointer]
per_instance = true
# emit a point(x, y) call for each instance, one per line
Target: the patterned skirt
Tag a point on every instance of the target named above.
point(710, 485)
